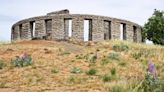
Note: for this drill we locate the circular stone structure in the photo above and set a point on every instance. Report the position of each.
(60, 25)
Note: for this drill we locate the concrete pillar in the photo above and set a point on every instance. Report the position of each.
(58, 28)
(129, 32)
(16, 33)
(48, 27)
(78, 28)
(66, 28)
(12, 33)
(26, 33)
(40, 29)
(115, 29)
(97, 29)
(139, 36)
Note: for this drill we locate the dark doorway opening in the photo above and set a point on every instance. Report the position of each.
(107, 30)
(134, 33)
(20, 31)
(48, 26)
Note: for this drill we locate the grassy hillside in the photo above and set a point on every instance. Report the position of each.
(109, 66)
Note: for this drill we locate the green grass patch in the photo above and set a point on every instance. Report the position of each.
(117, 88)
(91, 71)
(23, 61)
(54, 70)
(123, 63)
(113, 71)
(120, 47)
(114, 56)
(106, 78)
(105, 61)
(2, 64)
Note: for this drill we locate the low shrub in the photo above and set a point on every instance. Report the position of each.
(21, 61)
(137, 55)
(113, 71)
(150, 85)
(3, 84)
(2, 64)
(120, 47)
(117, 88)
(113, 56)
(54, 70)
(86, 56)
(123, 63)
(91, 71)
(104, 61)
(71, 79)
(79, 56)
(151, 82)
(76, 70)
(92, 58)
(76, 79)
(143, 53)
(110, 56)
(106, 78)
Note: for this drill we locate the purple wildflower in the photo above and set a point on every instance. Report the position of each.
(23, 56)
(151, 67)
(151, 70)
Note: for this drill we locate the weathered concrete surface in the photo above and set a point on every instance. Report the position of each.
(77, 28)
(100, 27)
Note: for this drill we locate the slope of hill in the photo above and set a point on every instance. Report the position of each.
(109, 66)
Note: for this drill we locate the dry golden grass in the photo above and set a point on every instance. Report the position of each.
(49, 55)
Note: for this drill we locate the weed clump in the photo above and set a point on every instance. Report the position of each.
(76, 70)
(3, 85)
(106, 78)
(120, 47)
(91, 71)
(113, 71)
(92, 58)
(117, 88)
(109, 77)
(109, 57)
(88, 57)
(80, 56)
(2, 64)
(151, 83)
(137, 55)
(54, 70)
(71, 79)
(76, 79)
(143, 53)
(22, 60)
(113, 56)
(123, 63)
(104, 61)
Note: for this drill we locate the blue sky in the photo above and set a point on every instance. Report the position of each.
(137, 11)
